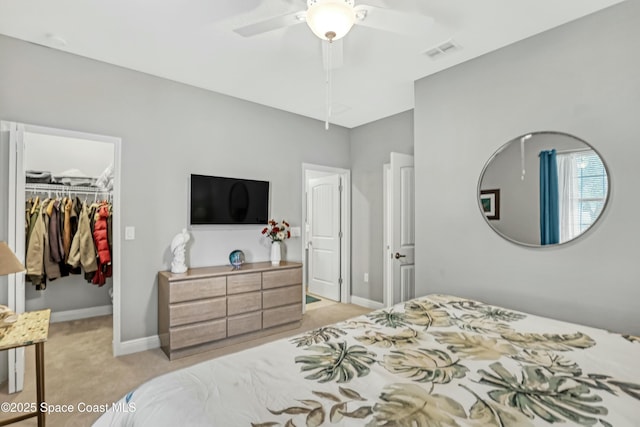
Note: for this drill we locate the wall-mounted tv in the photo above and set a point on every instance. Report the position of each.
(220, 200)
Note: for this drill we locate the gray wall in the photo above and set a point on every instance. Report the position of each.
(582, 78)
(169, 130)
(371, 145)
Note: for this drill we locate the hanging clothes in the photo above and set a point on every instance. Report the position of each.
(64, 236)
(55, 234)
(76, 208)
(56, 241)
(83, 251)
(30, 217)
(35, 250)
(100, 236)
(27, 220)
(51, 267)
(66, 229)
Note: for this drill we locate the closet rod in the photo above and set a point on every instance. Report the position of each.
(65, 189)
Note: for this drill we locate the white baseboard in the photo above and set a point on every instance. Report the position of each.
(81, 313)
(366, 302)
(137, 345)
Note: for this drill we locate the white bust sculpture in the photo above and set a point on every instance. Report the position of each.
(178, 244)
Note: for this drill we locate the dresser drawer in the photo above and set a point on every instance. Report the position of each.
(244, 323)
(243, 303)
(240, 283)
(187, 290)
(281, 315)
(198, 333)
(276, 279)
(212, 307)
(282, 296)
(197, 311)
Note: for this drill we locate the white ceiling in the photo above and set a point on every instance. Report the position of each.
(192, 41)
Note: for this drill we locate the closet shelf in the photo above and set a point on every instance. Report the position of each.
(64, 189)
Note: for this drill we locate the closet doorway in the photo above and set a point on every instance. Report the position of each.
(53, 169)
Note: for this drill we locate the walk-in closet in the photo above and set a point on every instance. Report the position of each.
(63, 226)
(68, 226)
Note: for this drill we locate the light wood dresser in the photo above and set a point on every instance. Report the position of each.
(212, 307)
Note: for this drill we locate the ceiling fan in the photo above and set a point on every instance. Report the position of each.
(331, 20)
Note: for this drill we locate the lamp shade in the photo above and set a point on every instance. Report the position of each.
(331, 19)
(9, 264)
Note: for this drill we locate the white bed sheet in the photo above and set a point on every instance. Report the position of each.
(437, 360)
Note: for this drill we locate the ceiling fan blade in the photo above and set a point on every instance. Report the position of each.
(272, 24)
(392, 20)
(332, 54)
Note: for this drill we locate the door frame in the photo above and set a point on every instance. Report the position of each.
(345, 219)
(16, 282)
(387, 260)
(117, 208)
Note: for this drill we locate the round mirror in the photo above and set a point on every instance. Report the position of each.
(543, 188)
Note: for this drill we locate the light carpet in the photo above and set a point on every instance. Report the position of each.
(80, 368)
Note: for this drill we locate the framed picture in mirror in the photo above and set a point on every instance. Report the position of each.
(490, 200)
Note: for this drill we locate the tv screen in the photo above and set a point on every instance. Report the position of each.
(219, 200)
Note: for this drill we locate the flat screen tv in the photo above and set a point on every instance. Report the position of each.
(219, 200)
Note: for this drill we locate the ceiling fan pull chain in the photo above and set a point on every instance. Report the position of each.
(522, 163)
(328, 86)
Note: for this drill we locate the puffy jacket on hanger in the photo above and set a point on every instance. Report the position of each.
(100, 235)
(82, 250)
(102, 244)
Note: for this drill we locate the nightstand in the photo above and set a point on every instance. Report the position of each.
(31, 328)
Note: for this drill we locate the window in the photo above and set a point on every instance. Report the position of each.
(582, 182)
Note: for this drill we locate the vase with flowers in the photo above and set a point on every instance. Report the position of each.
(276, 232)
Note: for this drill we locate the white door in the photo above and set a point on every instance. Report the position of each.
(323, 216)
(402, 222)
(16, 242)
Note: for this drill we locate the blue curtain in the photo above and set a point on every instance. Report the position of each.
(549, 201)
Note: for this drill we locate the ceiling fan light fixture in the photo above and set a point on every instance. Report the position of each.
(330, 19)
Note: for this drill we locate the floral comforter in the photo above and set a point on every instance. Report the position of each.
(432, 361)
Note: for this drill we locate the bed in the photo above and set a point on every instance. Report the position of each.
(437, 360)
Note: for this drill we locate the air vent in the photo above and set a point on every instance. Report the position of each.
(443, 49)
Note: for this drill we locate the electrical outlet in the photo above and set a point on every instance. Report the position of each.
(129, 233)
(366, 277)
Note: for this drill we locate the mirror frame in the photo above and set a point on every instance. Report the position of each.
(539, 246)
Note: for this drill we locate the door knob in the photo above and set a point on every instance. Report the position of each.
(398, 256)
